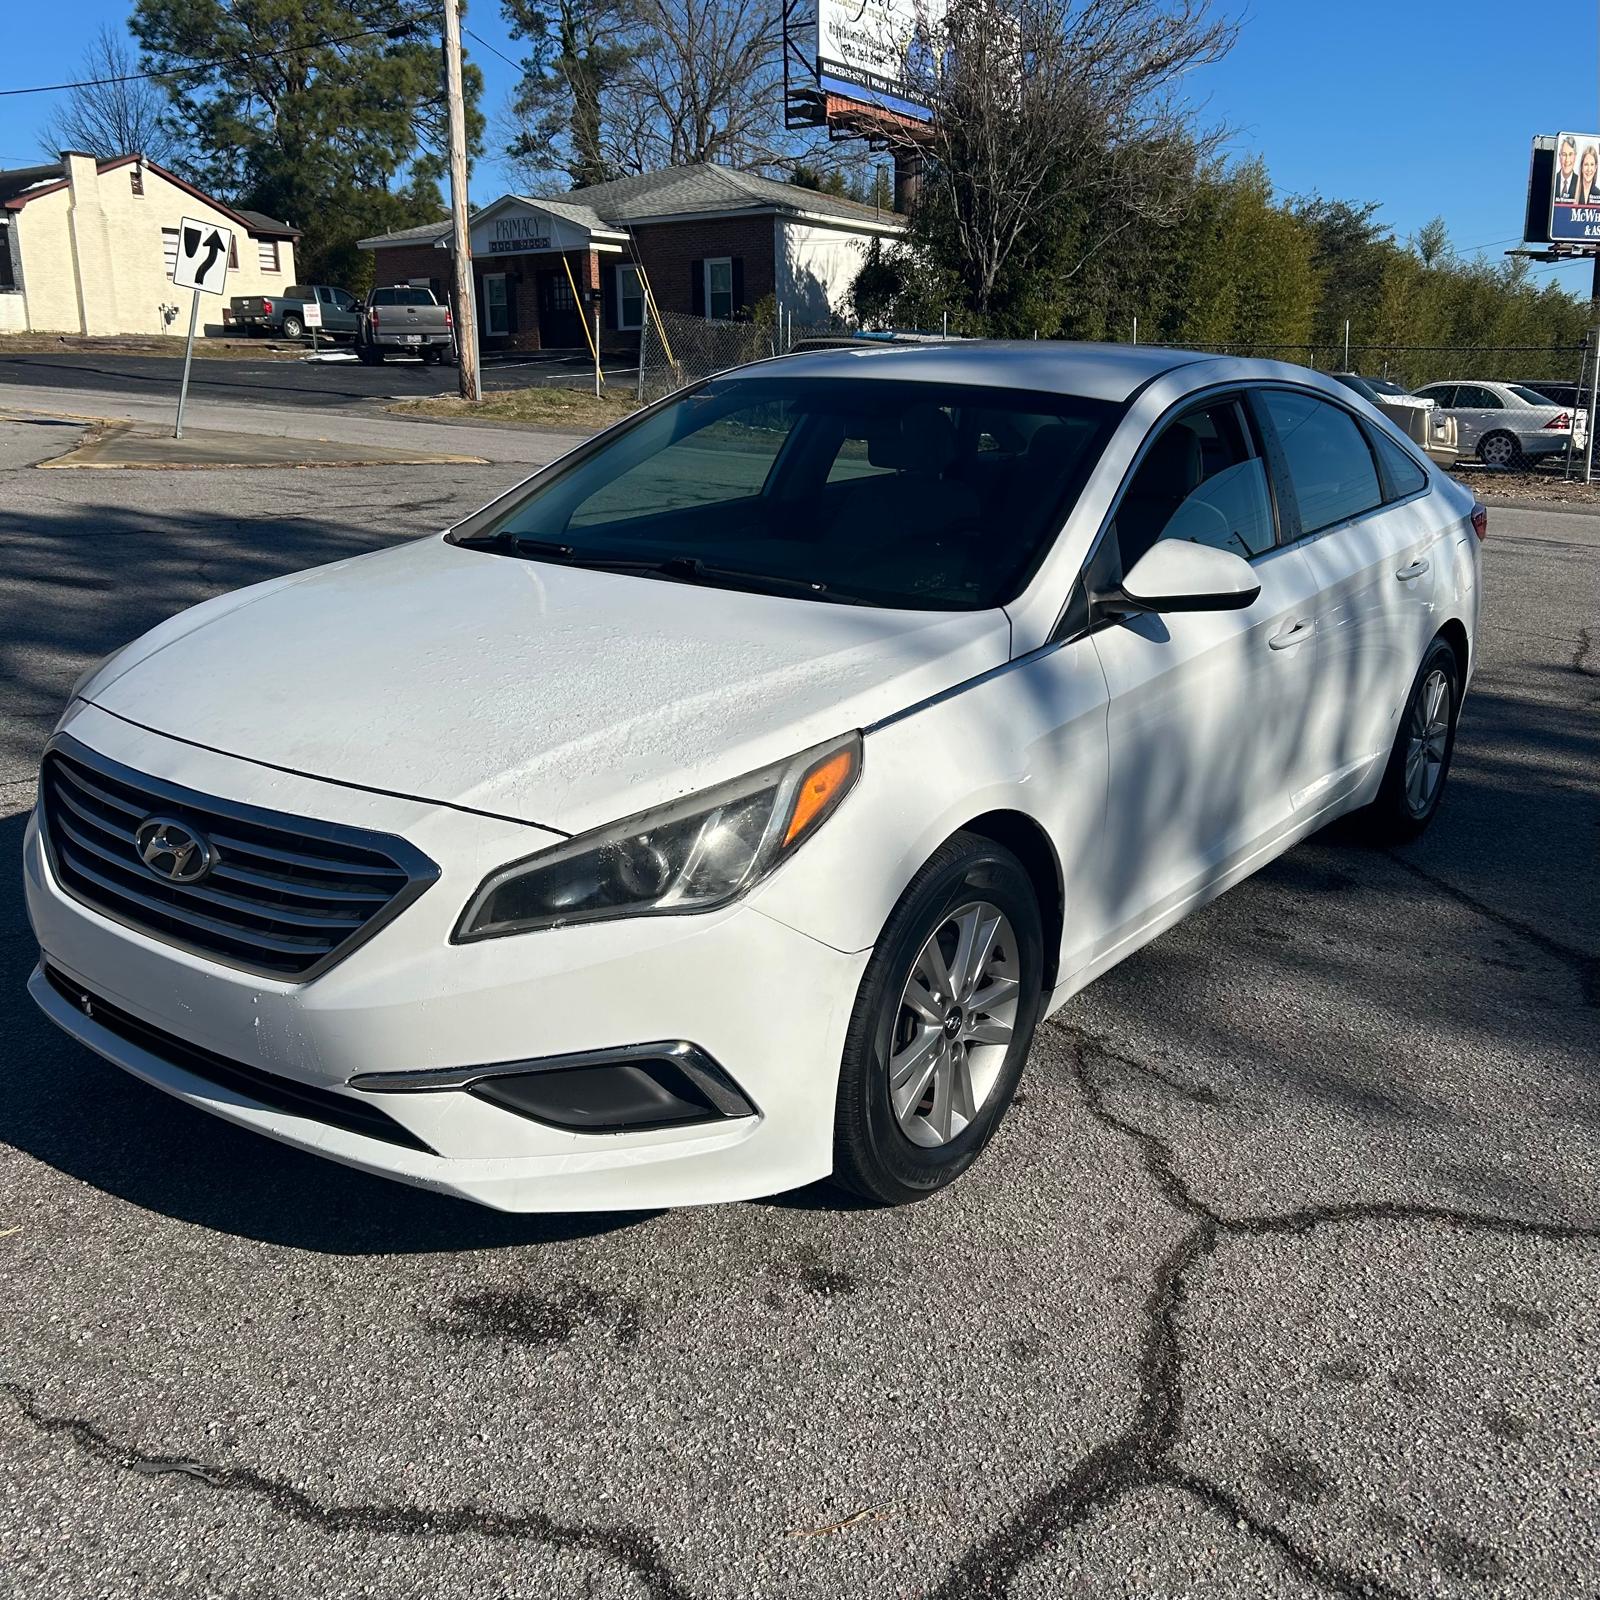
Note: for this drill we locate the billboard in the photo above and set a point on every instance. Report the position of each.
(879, 52)
(1575, 190)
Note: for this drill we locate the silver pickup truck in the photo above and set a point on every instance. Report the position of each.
(285, 313)
(405, 320)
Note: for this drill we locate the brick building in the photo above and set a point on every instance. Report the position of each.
(713, 243)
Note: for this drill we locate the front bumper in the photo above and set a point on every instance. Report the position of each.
(769, 1004)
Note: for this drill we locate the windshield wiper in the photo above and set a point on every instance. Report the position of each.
(683, 569)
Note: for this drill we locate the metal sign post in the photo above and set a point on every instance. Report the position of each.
(204, 250)
(188, 356)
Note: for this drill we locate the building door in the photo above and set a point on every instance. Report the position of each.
(558, 312)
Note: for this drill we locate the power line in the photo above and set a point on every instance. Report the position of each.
(492, 49)
(397, 31)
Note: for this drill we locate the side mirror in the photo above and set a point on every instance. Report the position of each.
(1174, 575)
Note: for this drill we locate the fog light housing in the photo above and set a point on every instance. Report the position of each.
(629, 1090)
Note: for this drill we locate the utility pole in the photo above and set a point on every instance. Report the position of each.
(466, 289)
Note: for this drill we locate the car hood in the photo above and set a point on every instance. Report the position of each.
(525, 689)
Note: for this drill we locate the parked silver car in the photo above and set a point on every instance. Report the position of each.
(1503, 424)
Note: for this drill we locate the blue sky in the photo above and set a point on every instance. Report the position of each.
(1425, 107)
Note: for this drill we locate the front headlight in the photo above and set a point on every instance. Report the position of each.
(693, 855)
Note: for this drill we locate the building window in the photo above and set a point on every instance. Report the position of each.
(169, 249)
(719, 289)
(136, 178)
(8, 271)
(496, 305)
(267, 254)
(233, 252)
(630, 298)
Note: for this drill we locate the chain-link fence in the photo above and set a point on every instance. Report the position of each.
(675, 350)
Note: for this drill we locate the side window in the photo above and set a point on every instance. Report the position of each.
(1443, 395)
(1402, 475)
(1331, 471)
(1202, 481)
(1472, 398)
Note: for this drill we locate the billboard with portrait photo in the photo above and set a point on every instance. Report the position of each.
(879, 52)
(1575, 190)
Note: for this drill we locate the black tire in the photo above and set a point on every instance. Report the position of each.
(1396, 816)
(293, 327)
(368, 355)
(431, 356)
(1501, 449)
(874, 1157)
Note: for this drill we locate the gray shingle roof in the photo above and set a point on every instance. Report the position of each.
(18, 179)
(685, 190)
(677, 192)
(260, 222)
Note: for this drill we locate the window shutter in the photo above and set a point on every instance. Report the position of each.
(738, 284)
(609, 286)
(697, 288)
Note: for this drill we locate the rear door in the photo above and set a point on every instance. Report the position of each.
(1206, 708)
(1365, 520)
(1478, 411)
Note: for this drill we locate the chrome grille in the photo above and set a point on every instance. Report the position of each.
(286, 897)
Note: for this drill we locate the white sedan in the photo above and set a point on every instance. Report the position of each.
(724, 807)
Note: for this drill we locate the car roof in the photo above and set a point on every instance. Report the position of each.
(1051, 366)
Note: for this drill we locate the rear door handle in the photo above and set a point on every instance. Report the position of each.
(1293, 634)
(1415, 570)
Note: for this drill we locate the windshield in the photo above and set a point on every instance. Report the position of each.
(865, 490)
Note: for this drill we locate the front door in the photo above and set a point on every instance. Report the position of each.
(558, 312)
(1207, 708)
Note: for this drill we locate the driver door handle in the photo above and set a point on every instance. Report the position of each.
(1293, 634)
(1415, 570)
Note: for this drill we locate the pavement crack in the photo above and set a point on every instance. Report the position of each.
(1584, 965)
(628, 1546)
(1140, 1456)
(1580, 656)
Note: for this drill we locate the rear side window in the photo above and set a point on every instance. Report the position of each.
(1331, 471)
(1443, 395)
(1470, 397)
(1402, 475)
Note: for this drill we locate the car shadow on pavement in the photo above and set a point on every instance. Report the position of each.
(62, 1105)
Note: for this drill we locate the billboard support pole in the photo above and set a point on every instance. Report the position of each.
(1594, 390)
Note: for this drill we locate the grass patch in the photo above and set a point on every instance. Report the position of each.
(566, 409)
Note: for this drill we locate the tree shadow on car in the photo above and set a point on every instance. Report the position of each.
(64, 1106)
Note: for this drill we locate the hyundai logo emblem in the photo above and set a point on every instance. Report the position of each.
(173, 851)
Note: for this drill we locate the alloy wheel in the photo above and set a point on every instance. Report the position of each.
(1430, 736)
(954, 1024)
(1499, 451)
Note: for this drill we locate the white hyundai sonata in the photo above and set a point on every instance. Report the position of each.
(724, 807)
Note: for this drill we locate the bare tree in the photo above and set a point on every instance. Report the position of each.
(1058, 125)
(111, 117)
(706, 83)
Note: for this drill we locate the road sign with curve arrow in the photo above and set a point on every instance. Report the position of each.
(204, 250)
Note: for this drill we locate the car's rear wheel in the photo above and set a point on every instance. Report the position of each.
(293, 327)
(1419, 761)
(368, 355)
(1500, 450)
(942, 1025)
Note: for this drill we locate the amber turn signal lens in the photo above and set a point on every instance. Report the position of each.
(819, 790)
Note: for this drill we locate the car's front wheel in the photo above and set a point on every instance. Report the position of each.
(942, 1024)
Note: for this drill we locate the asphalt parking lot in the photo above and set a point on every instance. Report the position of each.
(1282, 1279)
(325, 385)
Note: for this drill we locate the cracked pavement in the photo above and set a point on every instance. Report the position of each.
(1282, 1279)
